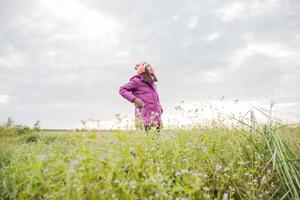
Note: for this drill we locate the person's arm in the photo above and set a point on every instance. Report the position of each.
(126, 90)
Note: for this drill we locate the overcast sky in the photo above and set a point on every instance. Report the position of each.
(64, 60)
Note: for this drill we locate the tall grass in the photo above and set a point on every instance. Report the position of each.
(282, 158)
(250, 160)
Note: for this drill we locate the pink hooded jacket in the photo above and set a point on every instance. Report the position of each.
(150, 114)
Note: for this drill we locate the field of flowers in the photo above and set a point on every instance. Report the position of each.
(205, 162)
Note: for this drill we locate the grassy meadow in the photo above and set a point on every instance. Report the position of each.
(201, 162)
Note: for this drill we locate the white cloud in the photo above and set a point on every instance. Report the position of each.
(211, 76)
(193, 22)
(83, 22)
(12, 58)
(232, 11)
(213, 36)
(4, 98)
(272, 50)
(275, 50)
(123, 54)
(258, 7)
(238, 10)
(175, 17)
(77, 53)
(186, 43)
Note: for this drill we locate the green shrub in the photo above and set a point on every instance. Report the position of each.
(5, 158)
(11, 129)
(30, 137)
(48, 139)
(21, 130)
(6, 131)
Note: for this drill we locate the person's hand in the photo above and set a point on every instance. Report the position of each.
(139, 103)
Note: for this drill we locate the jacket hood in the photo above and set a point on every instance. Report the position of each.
(136, 76)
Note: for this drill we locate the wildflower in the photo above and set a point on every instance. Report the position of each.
(46, 170)
(205, 188)
(273, 185)
(125, 167)
(241, 163)
(196, 174)
(248, 174)
(42, 157)
(164, 194)
(132, 184)
(74, 163)
(226, 169)
(177, 173)
(226, 176)
(117, 181)
(225, 196)
(232, 189)
(218, 168)
(203, 148)
(103, 159)
(72, 171)
(132, 151)
(254, 182)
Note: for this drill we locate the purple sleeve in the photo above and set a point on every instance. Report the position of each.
(126, 90)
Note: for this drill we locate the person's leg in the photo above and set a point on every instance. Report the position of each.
(147, 128)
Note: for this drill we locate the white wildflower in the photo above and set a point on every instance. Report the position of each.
(42, 157)
(205, 188)
(132, 184)
(263, 180)
(203, 148)
(241, 163)
(132, 151)
(177, 173)
(218, 168)
(226, 169)
(74, 163)
(225, 196)
(247, 174)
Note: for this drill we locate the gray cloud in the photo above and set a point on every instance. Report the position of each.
(61, 61)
